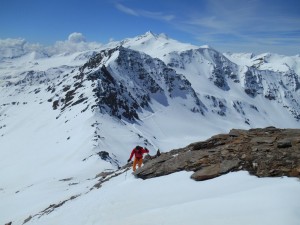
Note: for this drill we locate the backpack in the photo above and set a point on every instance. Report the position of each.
(138, 150)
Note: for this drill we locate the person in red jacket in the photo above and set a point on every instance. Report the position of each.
(138, 152)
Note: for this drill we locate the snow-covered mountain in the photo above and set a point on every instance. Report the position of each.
(65, 117)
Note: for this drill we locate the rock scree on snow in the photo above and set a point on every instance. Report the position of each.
(264, 152)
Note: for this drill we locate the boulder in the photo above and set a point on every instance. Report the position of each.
(284, 143)
(215, 170)
(207, 173)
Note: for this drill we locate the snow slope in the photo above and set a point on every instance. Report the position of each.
(234, 198)
(267, 61)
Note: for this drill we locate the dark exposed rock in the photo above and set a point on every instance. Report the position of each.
(104, 174)
(50, 208)
(215, 170)
(253, 83)
(55, 104)
(285, 143)
(266, 152)
(27, 220)
(106, 157)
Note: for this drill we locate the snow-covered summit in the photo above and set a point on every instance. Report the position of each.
(155, 45)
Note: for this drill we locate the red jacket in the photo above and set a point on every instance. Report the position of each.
(138, 153)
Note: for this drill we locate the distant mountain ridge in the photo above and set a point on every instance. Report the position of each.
(141, 77)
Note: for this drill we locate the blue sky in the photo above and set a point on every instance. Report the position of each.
(227, 25)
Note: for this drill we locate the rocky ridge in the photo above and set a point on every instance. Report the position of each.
(264, 152)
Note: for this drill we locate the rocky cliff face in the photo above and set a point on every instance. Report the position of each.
(273, 85)
(125, 82)
(264, 152)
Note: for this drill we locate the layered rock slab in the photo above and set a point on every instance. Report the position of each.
(264, 152)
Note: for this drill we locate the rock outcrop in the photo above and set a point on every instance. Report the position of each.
(267, 152)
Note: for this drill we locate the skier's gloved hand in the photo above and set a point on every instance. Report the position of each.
(128, 160)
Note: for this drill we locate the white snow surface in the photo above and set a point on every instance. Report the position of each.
(235, 198)
(47, 156)
(274, 62)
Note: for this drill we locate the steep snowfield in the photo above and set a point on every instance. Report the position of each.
(48, 156)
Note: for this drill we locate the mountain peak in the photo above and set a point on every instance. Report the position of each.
(150, 33)
(157, 36)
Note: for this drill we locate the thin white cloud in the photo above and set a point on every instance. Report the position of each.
(243, 16)
(211, 22)
(242, 23)
(144, 13)
(126, 10)
(157, 15)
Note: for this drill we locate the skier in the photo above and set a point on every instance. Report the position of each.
(138, 152)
